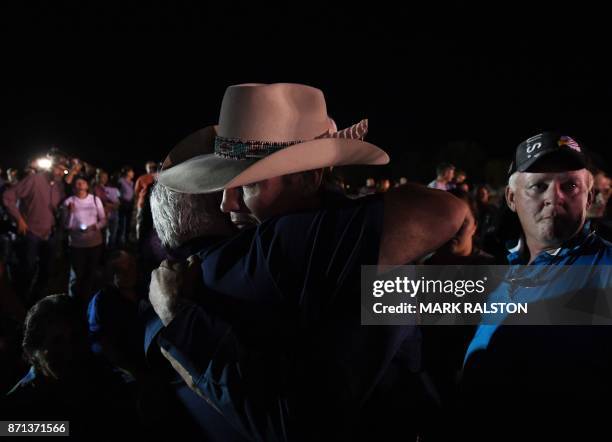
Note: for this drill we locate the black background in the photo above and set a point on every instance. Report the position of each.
(452, 82)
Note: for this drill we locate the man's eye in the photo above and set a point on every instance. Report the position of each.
(568, 187)
(539, 187)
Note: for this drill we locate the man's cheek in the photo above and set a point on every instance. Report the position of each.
(251, 205)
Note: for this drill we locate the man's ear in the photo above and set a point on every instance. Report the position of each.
(590, 198)
(510, 196)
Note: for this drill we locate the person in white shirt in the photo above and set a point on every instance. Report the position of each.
(445, 174)
(84, 222)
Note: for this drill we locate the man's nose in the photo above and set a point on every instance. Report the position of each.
(232, 200)
(554, 194)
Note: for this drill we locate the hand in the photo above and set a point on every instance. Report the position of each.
(172, 283)
(164, 289)
(92, 227)
(22, 226)
(76, 168)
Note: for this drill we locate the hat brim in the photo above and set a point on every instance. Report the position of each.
(198, 143)
(211, 173)
(578, 159)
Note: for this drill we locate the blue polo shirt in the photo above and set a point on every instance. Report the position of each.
(549, 377)
(586, 249)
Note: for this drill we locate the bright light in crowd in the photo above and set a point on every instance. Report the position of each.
(44, 163)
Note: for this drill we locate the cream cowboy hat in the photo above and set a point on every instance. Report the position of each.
(264, 131)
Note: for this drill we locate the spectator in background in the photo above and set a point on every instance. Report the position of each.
(3, 185)
(460, 181)
(75, 169)
(143, 182)
(66, 381)
(7, 237)
(9, 302)
(445, 173)
(460, 176)
(31, 167)
(32, 203)
(168, 408)
(599, 212)
(148, 243)
(601, 191)
(487, 216)
(383, 185)
(12, 176)
(109, 195)
(113, 314)
(369, 188)
(126, 204)
(85, 221)
(151, 252)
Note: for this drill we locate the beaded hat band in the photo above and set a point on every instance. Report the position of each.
(237, 149)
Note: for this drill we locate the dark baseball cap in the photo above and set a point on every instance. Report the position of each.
(546, 145)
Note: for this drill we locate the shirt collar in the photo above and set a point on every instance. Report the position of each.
(519, 254)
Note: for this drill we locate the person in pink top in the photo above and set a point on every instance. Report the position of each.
(84, 222)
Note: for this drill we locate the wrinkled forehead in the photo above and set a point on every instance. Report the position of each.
(574, 175)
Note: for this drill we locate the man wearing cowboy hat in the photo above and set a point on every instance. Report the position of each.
(294, 279)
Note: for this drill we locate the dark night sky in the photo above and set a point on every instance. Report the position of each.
(123, 86)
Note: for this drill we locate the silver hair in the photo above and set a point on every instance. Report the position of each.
(179, 217)
(512, 181)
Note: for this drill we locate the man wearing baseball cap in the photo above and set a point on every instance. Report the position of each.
(548, 376)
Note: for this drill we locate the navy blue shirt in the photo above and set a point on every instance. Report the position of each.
(276, 337)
